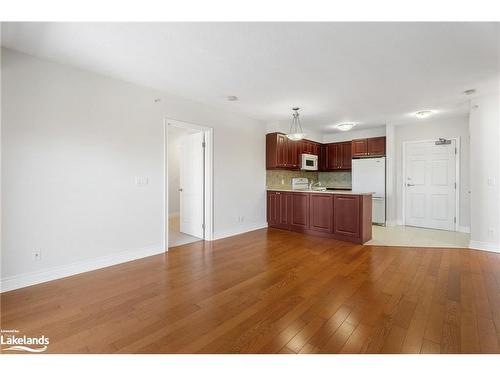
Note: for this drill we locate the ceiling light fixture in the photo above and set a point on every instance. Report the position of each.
(345, 126)
(423, 114)
(296, 133)
(232, 98)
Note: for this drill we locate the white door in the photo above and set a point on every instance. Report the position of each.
(191, 184)
(430, 185)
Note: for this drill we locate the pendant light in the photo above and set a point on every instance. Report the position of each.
(296, 133)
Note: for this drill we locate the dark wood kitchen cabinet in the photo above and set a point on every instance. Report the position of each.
(368, 147)
(278, 209)
(346, 155)
(322, 158)
(320, 212)
(299, 211)
(376, 146)
(359, 147)
(276, 151)
(293, 150)
(352, 217)
(346, 217)
(337, 156)
(283, 153)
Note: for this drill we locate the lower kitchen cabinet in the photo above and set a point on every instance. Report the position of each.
(346, 217)
(320, 212)
(278, 209)
(299, 213)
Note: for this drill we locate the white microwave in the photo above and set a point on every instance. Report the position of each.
(309, 162)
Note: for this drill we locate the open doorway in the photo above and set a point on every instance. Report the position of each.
(188, 183)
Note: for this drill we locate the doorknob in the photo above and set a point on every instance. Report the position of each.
(410, 184)
(180, 189)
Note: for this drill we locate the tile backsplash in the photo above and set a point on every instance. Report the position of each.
(278, 179)
(335, 179)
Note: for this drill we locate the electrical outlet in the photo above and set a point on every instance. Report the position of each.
(241, 219)
(491, 232)
(37, 254)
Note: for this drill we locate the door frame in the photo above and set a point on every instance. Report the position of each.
(457, 177)
(208, 213)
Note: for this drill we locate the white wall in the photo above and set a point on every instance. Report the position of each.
(434, 129)
(484, 161)
(377, 131)
(73, 143)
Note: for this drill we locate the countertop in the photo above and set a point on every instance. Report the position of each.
(344, 192)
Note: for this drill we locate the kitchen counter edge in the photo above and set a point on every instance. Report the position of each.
(342, 192)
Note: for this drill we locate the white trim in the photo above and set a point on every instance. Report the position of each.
(208, 182)
(230, 233)
(487, 246)
(463, 229)
(457, 179)
(32, 278)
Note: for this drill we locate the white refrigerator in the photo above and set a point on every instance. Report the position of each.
(368, 175)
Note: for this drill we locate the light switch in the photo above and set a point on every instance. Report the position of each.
(491, 181)
(141, 180)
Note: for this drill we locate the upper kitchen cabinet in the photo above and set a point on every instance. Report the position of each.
(308, 147)
(337, 156)
(283, 153)
(376, 146)
(368, 147)
(276, 151)
(346, 155)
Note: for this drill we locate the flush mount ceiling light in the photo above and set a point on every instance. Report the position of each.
(232, 98)
(423, 114)
(345, 126)
(296, 133)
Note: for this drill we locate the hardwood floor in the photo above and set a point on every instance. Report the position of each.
(271, 291)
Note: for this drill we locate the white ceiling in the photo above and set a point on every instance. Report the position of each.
(371, 73)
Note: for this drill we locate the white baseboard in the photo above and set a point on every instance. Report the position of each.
(24, 280)
(462, 229)
(487, 246)
(218, 236)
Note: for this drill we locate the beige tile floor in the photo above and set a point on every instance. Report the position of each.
(417, 237)
(175, 236)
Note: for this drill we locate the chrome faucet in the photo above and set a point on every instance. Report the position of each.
(311, 185)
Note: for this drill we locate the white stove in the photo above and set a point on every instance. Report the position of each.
(300, 183)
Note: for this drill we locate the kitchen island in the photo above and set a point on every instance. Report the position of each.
(342, 215)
